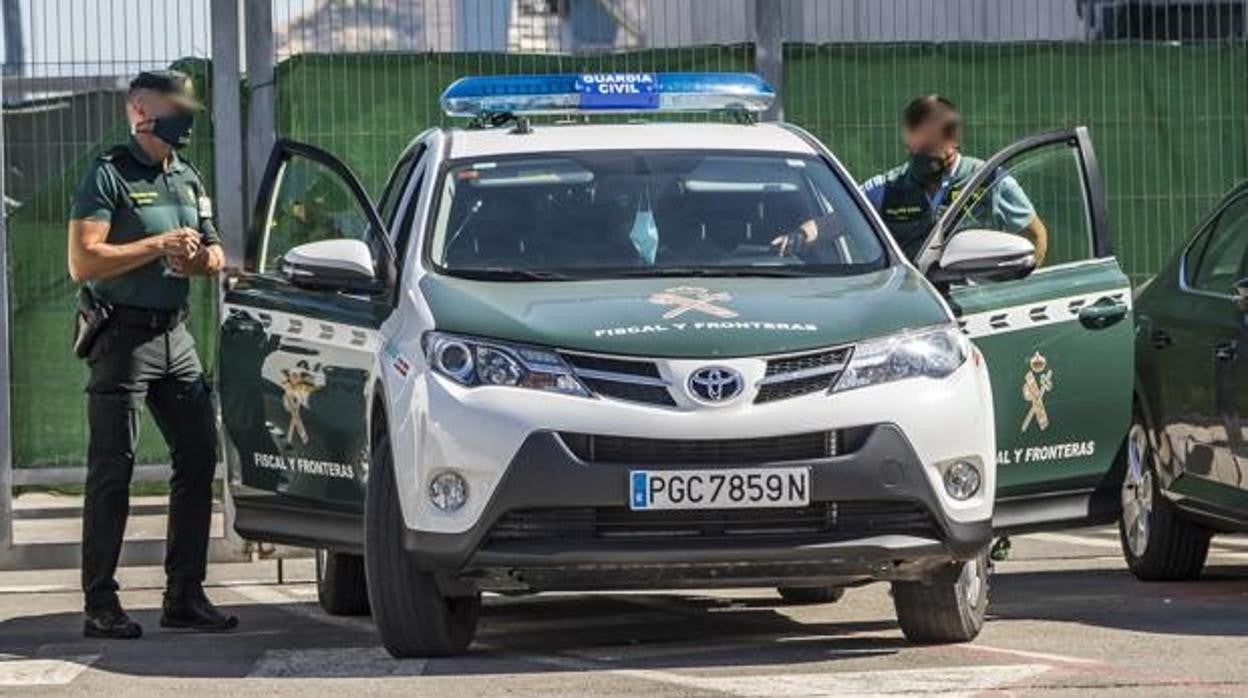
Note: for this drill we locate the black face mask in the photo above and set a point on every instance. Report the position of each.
(927, 169)
(174, 129)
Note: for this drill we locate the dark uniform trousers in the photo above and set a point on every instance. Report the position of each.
(146, 356)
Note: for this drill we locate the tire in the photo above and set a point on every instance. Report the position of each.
(340, 586)
(949, 607)
(1157, 542)
(810, 595)
(412, 616)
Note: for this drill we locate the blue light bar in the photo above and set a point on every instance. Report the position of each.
(607, 92)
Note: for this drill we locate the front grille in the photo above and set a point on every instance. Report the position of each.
(802, 362)
(633, 392)
(639, 380)
(830, 519)
(792, 388)
(801, 374)
(591, 362)
(596, 448)
(621, 379)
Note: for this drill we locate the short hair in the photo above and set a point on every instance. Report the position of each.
(922, 110)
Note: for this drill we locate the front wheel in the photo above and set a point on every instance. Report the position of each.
(949, 607)
(1157, 542)
(411, 613)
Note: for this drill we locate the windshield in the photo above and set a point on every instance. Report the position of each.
(658, 213)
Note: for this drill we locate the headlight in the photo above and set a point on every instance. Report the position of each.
(934, 353)
(475, 362)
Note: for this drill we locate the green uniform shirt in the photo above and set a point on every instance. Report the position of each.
(910, 211)
(140, 198)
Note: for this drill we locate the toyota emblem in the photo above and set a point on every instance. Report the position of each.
(715, 384)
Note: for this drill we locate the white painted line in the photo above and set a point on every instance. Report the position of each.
(17, 671)
(1027, 654)
(950, 682)
(333, 663)
(1072, 539)
(272, 595)
(37, 588)
(946, 682)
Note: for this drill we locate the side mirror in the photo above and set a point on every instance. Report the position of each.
(1241, 294)
(984, 255)
(340, 264)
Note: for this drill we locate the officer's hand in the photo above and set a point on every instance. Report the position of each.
(206, 260)
(183, 266)
(179, 242)
(788, 243)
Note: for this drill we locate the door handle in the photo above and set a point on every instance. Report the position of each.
(1226, 351)
(1160, 339)
(1102, 314)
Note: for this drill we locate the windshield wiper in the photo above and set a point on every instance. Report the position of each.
(505, 274)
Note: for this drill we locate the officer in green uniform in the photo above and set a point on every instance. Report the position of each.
(913, 196)
(141, 223)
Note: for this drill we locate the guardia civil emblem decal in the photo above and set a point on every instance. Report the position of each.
(298, 384)
(684, 299)
(1037, 382)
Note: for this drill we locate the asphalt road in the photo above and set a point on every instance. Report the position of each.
(1066, 619)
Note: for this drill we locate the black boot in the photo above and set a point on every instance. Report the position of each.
(110, 622)
(189, 607)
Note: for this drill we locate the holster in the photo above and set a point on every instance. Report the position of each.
(90, 320)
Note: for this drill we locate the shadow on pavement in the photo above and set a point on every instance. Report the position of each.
(536, 634)
(589, 632)
(1111, 598)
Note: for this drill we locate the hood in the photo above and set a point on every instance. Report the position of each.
(685, 318)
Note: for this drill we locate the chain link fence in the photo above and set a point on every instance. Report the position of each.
(1162, 84)
(64, 104)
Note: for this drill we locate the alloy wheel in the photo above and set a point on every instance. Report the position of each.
(1137, 492)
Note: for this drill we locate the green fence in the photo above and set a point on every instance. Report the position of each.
(48, 406)
(1170, 122)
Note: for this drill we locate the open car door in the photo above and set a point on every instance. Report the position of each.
(1058, 342)
(298, 342)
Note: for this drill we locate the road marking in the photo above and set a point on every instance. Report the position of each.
(946, 682)
(333, 663)
(1073, 539)
(1027, 654)
(18, 671)
(37, 588)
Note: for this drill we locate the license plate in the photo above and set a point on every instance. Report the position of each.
(743, 488)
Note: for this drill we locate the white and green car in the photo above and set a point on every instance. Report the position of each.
(576, 356)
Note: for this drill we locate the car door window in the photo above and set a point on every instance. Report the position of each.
(1039, 193)
(310, 202)
(393, 192)
(1221, 257)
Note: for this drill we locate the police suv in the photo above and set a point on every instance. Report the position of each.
(637, 354)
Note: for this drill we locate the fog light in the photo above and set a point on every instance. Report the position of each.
(448, 491)
(962, 480)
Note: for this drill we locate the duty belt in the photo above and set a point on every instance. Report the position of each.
(149, 318)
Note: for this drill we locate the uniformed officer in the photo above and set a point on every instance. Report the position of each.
(141, 223)
(913, 196)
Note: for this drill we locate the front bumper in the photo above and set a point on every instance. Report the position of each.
(542, 527)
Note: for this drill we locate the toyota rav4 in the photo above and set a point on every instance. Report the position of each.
(584, 356)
